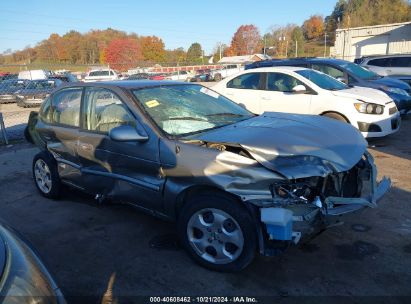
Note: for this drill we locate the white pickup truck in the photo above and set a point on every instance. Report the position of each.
(226, 71)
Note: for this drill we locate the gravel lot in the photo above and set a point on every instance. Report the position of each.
(83, 243)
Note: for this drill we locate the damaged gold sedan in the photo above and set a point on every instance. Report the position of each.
(234, 182)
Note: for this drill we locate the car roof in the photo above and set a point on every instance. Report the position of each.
(297, 61)
(280, 68)
(385, 56)
(128, 84)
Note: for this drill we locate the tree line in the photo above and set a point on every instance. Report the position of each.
(122, 51)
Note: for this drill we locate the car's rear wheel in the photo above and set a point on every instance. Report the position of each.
(218, 232)
(335, 116)
(45, 175)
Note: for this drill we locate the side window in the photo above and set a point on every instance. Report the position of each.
(44, 112)
(66, 107)
(380, 62)
(111, 73)
(401, 62)
(249, 81)
(105, 111)
(329, 70)
(282, 82)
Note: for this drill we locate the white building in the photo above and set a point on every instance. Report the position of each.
(351, 43)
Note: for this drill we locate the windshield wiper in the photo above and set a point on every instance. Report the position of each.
(187, 118)
(225, 114)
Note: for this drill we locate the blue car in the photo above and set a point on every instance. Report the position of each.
(351, 74)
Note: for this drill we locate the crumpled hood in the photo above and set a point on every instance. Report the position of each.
(293, 145)
(364, 94)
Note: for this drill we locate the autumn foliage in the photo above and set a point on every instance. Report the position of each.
(313, 27)
(152, 49)
(246, 40)
(123, 53)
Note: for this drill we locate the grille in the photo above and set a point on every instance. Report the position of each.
(394, 124)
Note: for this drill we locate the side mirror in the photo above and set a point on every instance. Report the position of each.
(127, 133)
(299, 89)
(342, 79)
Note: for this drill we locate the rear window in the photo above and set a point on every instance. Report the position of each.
(381, 62)
(99, 73)
(401, 62)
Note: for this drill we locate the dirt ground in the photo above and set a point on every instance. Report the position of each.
(83, 243)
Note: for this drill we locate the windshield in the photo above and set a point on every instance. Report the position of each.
(181, 110)
(40, 85)
(12, 84)
(359, 71)
(323, 80)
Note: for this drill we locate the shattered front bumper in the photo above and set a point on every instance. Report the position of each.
(342, 205)
(309, 219)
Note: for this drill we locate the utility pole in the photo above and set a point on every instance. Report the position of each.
(325, 44)
(286, 49)
(296, 48)
(221, 45)
(265, 42)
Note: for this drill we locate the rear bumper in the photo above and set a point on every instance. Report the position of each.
(7, 98)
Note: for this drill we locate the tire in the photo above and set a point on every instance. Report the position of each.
(45, 175)
(226, 238)
(335, 116)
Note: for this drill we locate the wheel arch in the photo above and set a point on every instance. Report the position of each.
(338, 113)
(184, 197)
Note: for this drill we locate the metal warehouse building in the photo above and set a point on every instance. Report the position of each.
(351, 43)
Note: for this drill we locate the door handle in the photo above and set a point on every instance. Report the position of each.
(230, 94)
(265, 98)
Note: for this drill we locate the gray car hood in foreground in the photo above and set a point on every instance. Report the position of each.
(295, 146)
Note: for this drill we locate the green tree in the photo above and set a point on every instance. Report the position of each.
(297, 42)
(194, 53)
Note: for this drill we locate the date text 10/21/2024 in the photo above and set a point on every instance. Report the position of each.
(236, 299)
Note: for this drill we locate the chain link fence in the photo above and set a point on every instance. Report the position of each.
(23, 87)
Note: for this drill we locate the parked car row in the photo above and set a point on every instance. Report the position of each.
(27, 93)
(189, 76)
(351, 74)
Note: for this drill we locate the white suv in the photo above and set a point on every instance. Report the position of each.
(305, 91)
(397, 66)
(101, 75)
(226, 71)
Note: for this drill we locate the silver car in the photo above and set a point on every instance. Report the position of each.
(234, 182)
(396, 66)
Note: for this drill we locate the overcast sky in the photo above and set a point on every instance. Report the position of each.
(178, 23)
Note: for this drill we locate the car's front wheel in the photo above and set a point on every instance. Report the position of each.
(218, 232)
(45, 175)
